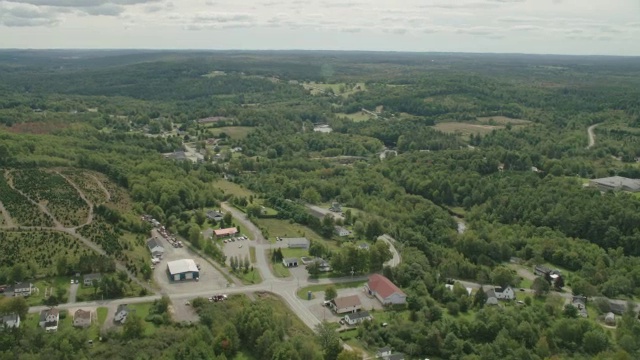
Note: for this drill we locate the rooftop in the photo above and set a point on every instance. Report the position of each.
(152, 243)
(225, 232)
(347, 301)
(82, 314)
(619, 182)
(93, 276)
(358, 315)
(182, 266)
(383, 286)
(290, 260)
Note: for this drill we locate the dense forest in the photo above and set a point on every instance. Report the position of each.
(516, 178)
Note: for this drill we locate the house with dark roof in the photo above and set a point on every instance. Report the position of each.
(121, 314)
(617, 308)
(215, 215)
(346, 304)
(155, 247)
(383, 352)
(357, 318)
(385, 291)
(297, 243)
(22, 289)
(88, 279)
(49, 319)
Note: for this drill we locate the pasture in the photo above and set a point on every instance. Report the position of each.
(356, 117)
(342, 89)
(233, 132)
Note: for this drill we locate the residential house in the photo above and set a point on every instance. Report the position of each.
(335, 207)
(176, 155)
(155, 247)
(346, 304)
(610, 319)
(505, 293)
(364, 246)
(121, 314)
(491, 298)
(617, 308)
(383, 352)
(23, 289)
(89, 279)
(323, 265)
(357, 318)
(215, 215)
(82, 318)
(384, 290)
(10, 321)
(297, 243)
(49, 319)
(580, 302)
(290, 262)
(541, 270)
(342, 232)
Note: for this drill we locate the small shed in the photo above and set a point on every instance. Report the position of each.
(290, 262)
(610, 319)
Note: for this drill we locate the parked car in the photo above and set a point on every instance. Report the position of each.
(341, 321)
(72, 281)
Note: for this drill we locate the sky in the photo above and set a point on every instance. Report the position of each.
(576, 27)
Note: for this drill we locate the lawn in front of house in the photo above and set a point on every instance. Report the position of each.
(280, 270)
(302, 292)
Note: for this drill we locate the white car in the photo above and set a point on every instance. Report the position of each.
(239, 246)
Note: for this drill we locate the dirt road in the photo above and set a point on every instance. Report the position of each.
(592, 136)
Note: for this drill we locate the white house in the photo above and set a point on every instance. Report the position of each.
(356, 318)
(385, 291)
(383, 352)
(340, 231)
(23, 289)
(290, 262)
(506, 293)
(49, 319)
(155, 247)
(10, 321)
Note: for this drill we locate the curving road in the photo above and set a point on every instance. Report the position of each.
(592, 136)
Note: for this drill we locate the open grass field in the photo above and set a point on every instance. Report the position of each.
(234, 189)
(293, 323)
(48, 286)
(280, 270)
(502, 120)
(356, 117)
(283, 228)
(296, 253)
(234, 132)
(142, 310)
(41, 249)
(337, 88)
(248, 278)
(302, 292)
(466, 129)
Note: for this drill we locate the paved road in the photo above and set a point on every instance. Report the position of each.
(592, 136)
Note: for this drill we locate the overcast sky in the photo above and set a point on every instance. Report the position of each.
(606, 27)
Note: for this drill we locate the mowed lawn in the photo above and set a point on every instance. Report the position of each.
(234, 189)
(356, 117)
(285, 229)
(234, 132)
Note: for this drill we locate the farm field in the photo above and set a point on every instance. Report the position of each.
(43, 248)
(466, 129)
(502, 120)
(357, 117)
(54, 192)
(234, 132)
(88, 184)
(22, 211)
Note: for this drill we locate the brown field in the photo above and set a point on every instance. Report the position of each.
(502, 120)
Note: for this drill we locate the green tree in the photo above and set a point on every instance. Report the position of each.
(502, 276)
(227, 218)
(133, 328)
(595, 341)
(480, 298)
(570, 311)
(195, 237)
(349, 355)
(330, 293)
(311, 195)
(540, 287)
(329, 340)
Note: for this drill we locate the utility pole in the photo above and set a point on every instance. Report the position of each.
(352, 272)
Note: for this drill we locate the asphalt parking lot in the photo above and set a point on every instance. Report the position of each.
(325, 313)
(210, 278)
(239, 248)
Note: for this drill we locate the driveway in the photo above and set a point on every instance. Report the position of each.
(73, 291)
